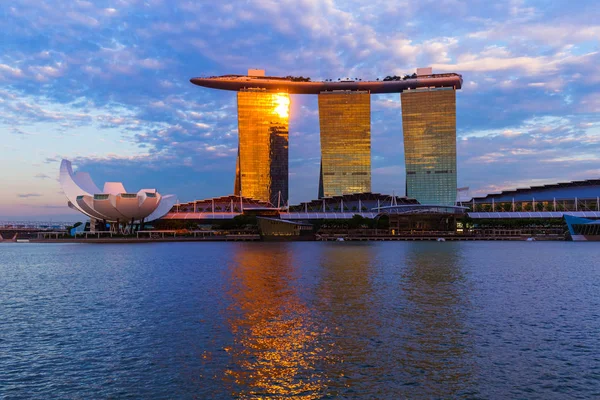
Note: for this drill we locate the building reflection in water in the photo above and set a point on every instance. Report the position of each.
(347, 320)
(435, 350)
(347, 303)
(275, 348)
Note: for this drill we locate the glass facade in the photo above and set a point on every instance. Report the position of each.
(262, 165)
(345, 123)
(429, 124)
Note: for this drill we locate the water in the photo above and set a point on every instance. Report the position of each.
(308, 320)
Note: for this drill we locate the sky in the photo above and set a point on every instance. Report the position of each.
(105, 84)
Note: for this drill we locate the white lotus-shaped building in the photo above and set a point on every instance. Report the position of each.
(113, 203)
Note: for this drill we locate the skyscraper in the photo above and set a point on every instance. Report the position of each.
(345, 122)
(429, 124)
(262, 165)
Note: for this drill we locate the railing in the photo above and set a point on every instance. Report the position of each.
(448, 75)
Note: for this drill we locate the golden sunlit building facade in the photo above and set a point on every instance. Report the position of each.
(345, 123)
(262, 165)
(429, 125)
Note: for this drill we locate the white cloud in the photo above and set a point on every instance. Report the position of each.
(6, 70)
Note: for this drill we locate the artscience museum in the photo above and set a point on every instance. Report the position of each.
(113, 204)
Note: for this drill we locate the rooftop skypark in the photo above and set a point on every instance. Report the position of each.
(302, 85)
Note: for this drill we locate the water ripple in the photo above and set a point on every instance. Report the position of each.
(301, 320)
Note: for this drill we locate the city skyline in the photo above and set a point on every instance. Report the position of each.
(100, 86)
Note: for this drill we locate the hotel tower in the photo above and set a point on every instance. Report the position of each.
(429, 124)
(262, 164)
(345, 123)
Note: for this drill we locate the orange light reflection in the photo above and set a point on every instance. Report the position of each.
(276, 343)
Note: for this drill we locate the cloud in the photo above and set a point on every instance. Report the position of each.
(590, 103)
(8, 71)
(60, 207)
(528, 65)
(119, 72)
(28, 195)
(17, 131)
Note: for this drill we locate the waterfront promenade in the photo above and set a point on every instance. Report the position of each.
(173, 237)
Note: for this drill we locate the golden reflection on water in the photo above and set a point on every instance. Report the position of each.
(275, 347)
(348, 319)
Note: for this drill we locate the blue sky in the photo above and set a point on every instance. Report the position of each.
(106, 85)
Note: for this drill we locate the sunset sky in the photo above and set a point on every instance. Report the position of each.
(106, 85)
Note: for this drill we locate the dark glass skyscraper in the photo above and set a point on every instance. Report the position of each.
(345, 122)
(262, 165)
(429, 124)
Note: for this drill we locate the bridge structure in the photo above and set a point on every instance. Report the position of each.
(11, 231)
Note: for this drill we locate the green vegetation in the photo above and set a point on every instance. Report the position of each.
(398, 78)
(238, 222)
(467, 222)
(297, 78)
(69, 227)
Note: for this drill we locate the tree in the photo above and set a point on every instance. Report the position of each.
(243, 221)
(383, 222)
(356, 221)
(467, 222)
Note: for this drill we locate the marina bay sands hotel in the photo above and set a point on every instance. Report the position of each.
(428, 122)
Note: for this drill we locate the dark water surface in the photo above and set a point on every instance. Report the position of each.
(310, 320)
